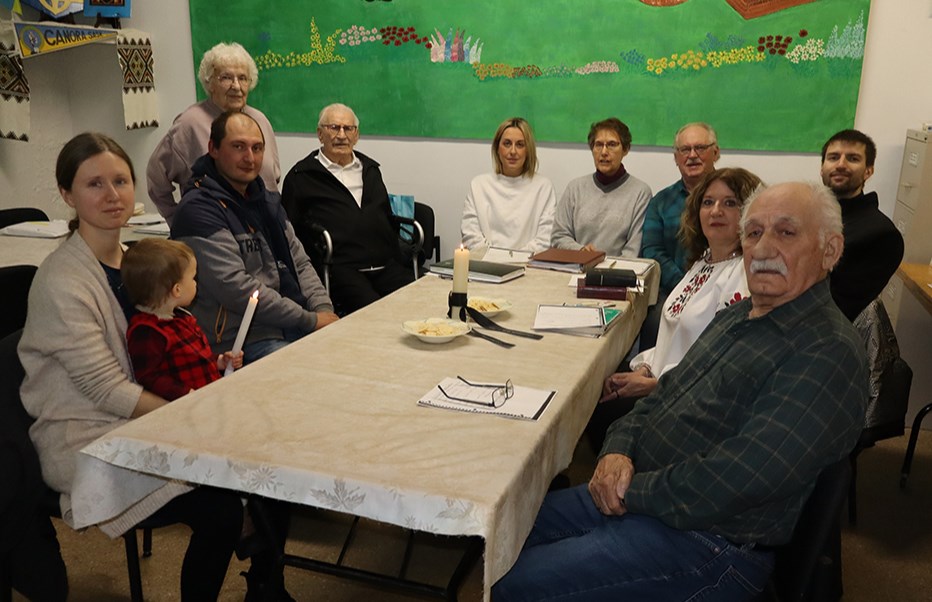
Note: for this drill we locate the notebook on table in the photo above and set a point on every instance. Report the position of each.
(482, 271)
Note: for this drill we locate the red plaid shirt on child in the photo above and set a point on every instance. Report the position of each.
(170, 357)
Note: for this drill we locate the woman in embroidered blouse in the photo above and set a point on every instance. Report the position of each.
(79, 380)
(513, 207)
(709, 231)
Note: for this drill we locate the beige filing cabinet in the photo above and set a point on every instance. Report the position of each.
(913, 212)
(913, 217)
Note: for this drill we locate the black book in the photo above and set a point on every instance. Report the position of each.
(482, 271)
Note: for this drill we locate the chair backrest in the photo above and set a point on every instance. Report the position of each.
(804, 565)
(14, 434)
(424, 215)
(18, 215)
(15, 281)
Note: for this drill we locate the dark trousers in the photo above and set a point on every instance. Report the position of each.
(351, 289)
(215, 517)
(37, 570)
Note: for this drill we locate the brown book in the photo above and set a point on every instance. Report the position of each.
(566, 260)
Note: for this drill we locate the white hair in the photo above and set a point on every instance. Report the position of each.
(713, 138)
(828, 209)
(226, 55)
(333, 107)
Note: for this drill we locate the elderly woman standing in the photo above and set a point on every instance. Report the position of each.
(710, 233)
(227, 73)
(79, 382)
(513, 207)
(604, 211)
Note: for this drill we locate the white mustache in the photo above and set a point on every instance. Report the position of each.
(768, 265)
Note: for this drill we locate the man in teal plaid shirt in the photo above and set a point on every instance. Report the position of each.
(710, 470)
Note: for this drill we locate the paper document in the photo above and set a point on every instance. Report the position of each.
(497, 255)
(51, 229)
(160, 228)
(525, 404)
(581, 320)
(612, 263)
(145, 218)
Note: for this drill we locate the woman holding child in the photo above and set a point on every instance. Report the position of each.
(79, 380)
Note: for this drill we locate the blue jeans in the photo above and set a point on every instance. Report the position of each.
(259, 349)
(575, 552)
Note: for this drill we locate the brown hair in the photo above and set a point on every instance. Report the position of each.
(78, 150)
(151, 267)
(530, 162)
(740, 181)
(612, 124)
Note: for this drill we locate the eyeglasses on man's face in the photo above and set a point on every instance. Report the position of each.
(227, 79)
(697, 148)
(335, 129)
(480, 395)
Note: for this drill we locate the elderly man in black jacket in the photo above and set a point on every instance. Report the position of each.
(343, 191)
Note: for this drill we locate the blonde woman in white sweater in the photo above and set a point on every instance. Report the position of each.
(513, 207)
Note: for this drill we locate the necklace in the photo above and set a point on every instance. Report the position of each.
(707, 256)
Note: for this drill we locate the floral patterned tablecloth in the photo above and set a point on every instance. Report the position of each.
(332, 421)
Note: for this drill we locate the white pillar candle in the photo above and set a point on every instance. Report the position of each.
(460, 269)
(243, 329)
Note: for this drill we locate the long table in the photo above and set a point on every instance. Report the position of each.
(24, 250)
(332, 421)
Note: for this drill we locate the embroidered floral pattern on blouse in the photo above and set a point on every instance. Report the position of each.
(734, 299)
(693, 287)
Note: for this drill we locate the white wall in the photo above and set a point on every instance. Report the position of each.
(78, 90)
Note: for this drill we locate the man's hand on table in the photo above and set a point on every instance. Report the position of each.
(324, 318)
(610, 482)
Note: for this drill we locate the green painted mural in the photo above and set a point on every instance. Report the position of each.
(455, 68)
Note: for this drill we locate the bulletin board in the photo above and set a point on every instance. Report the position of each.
(782, 81)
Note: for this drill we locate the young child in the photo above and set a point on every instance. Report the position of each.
(170, 353)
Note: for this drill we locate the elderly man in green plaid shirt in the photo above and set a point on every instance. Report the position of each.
(706, 473)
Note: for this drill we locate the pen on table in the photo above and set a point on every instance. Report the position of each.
(612, 264)
(596, 304)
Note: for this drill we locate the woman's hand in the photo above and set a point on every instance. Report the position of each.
(628, 384)
(589, 248)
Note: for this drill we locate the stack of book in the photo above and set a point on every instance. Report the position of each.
(606, 284)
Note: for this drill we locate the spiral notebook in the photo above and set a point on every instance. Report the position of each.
(526, 404)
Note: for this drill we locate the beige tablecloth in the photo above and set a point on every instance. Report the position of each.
(332, 421)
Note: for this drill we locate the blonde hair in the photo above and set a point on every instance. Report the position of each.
(530, 161)
(151, 267)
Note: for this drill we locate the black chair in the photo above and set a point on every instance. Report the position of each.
(911, 447)
(18, 215)
(890, 380)
(424, 215)
(808, 568)
(15, 281)
(320, 247)
(42, 501)
(25, 526)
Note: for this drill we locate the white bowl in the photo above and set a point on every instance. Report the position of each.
(436, 330)
(489, 306)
